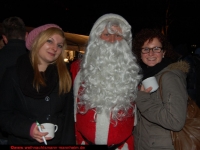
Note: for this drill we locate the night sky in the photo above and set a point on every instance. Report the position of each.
(78, 16)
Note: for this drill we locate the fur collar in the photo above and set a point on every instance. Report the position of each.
(179, 65)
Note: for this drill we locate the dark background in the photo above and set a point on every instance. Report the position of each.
(78, 16)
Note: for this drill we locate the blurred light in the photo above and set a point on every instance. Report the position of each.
(66, 60)
(82, 52)
(193, 46)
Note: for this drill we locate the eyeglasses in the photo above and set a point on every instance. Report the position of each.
(154, 49)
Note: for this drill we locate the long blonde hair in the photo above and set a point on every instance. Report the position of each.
(63, 73)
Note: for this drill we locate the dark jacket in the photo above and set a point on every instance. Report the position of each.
(193, 76)
(8, 57)
(10, 53)
(18, 112)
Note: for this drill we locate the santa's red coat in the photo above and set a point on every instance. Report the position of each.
(119, 133)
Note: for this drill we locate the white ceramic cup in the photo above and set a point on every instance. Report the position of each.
(50, 128)
(150, 82)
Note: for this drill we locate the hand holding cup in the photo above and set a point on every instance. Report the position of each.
(50, 128)
(150, 82)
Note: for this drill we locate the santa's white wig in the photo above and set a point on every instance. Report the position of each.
(109, 72)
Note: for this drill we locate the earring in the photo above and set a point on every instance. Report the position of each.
(163, 56)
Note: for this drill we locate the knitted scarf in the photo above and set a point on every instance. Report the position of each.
(151, 71)
(26, 75)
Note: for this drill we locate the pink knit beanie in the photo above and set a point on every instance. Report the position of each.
(35, 32)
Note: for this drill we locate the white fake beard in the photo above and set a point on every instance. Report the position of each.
(109, 78)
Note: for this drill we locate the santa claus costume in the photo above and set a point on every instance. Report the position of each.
(105, 90)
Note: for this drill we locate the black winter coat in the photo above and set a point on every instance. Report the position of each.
(18, 112)
(10, 53)
(8, 57)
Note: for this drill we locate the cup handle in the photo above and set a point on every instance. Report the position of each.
(56, 128)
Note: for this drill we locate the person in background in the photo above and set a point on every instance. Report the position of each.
(105, 86)
(1, 42)
(38, 88)
(185, 54)
(158, 116)
(197, 63)
(13, 35)
(193, 76)
(197, 51)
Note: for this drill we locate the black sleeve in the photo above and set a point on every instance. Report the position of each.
(68, 136)
(11, 120)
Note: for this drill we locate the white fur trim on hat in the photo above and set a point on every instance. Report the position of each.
(109, 17)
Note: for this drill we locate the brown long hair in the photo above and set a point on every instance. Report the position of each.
(65, 81)
(149, 34)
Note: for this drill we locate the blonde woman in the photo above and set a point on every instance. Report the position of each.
(38, 89)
